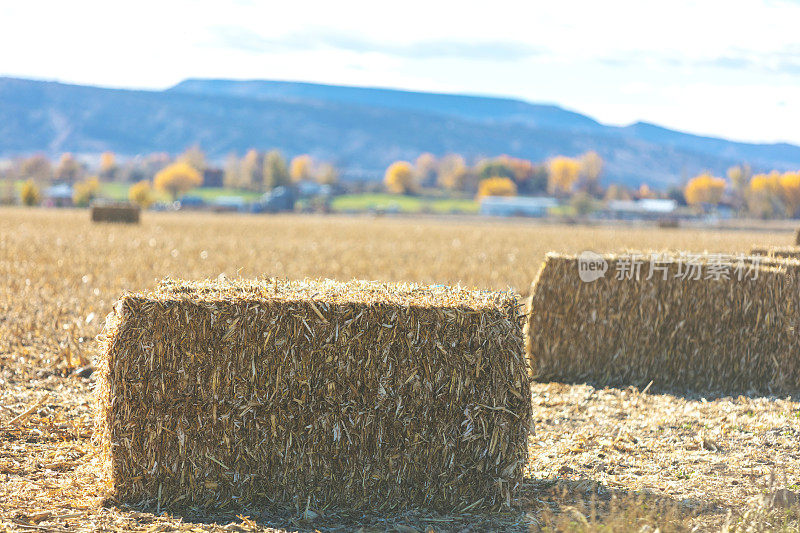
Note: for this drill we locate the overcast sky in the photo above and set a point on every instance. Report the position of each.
(719, 67)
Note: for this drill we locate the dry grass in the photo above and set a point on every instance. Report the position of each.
(612, 459)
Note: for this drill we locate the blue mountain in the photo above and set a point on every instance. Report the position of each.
(358, 128)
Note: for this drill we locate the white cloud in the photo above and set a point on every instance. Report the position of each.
(722, 67)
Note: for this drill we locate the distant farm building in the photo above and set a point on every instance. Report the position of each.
(59, 195)
(278, 199)
(517, 206)
(213, 177)
(229, 204)
(653, 209)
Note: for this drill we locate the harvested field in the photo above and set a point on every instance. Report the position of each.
(627, 458)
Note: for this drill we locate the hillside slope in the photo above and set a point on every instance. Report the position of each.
(357, 128)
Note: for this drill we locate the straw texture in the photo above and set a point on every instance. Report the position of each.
(360, 395)
(727, 335)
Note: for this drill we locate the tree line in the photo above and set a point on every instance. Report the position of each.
(257, 171)
(764, 195)
(497, 176)
(577, 179)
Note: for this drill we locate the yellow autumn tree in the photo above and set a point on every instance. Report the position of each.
(275, 171)
(400, 178)
(496, 186)
(177, 179)
(141, 194)
(85, 191)
(30, 194)
(790, 192)
(770, 183)
(763, 194)
(300, 169)
(704, 189)
(563, 173)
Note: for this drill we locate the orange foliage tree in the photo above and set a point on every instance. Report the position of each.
(645, 192)
(108, 165)
(300, 169)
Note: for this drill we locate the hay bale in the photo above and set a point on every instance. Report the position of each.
(781, 252)
(123, 212)
(707, 334)
(360, 395)
(785, 252)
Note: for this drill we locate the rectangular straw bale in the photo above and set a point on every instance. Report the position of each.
(359, 395)
(123, 212)
(785, 252)
(726, 335)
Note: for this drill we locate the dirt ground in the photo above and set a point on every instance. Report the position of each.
(664, 461)
(600, 459)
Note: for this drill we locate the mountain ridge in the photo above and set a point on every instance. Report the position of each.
(355, 127)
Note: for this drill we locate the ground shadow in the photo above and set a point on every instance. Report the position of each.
(540, 504)
(685, 393)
